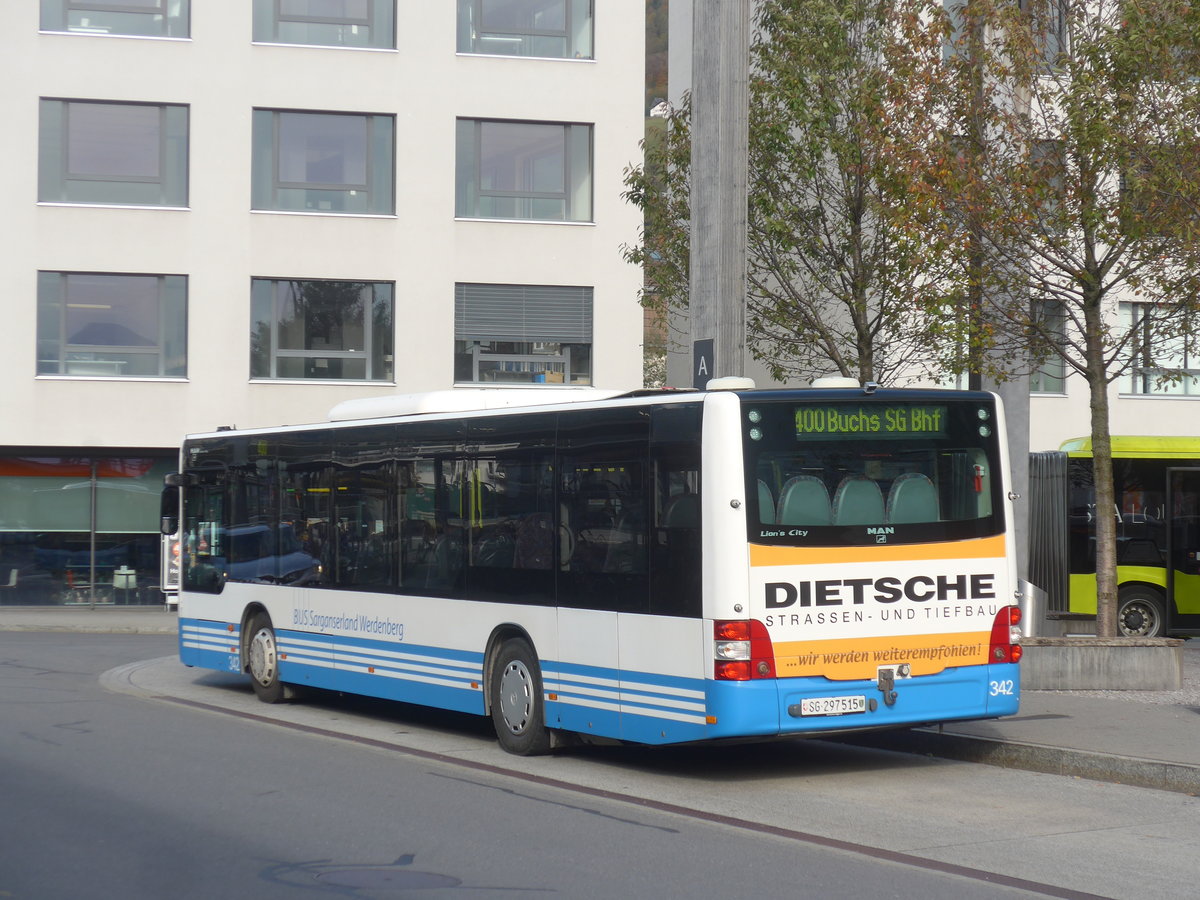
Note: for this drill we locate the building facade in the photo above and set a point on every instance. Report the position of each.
(242, 213)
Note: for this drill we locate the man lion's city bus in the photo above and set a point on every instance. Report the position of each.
(653, 567)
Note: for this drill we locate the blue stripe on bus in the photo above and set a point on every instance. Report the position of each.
(640, 706)
(637, 706)
(412, 673)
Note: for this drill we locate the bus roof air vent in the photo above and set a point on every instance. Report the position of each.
(730, 383)
(834, 381)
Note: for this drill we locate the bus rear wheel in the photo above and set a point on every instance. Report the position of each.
(516, 700)
(1140, 612)
(262, 655)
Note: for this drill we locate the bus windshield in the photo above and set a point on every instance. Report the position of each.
(878, 470)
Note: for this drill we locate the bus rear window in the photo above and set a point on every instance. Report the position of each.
(872, 470)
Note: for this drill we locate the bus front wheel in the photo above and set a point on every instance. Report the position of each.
(262, 654)
(516, 698)
(1140, 612)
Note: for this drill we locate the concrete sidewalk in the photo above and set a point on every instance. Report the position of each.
(1150, 739)
(89, 620)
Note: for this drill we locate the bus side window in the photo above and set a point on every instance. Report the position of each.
(675, 558)
(204, 538)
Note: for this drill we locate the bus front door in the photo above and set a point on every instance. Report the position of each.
(1183, 551)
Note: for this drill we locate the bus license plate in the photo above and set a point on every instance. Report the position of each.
(832, 706)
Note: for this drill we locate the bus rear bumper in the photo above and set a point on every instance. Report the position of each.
(814, 706)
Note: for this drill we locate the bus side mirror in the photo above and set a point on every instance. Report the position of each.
(168, 510)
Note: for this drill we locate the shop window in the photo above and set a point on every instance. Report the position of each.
(326, 23)
(531, 334)
(524, 170)
(118, 326)
(81, 529)
(327, 330)
(560, 29)
(323, 162)
(128, 154)
(131, 18)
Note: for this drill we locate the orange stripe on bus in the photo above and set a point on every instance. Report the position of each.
(977, 548)
(853, 658)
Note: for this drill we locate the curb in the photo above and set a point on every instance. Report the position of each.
(1166, 776)
(87, 629)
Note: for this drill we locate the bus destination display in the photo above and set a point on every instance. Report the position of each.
(843, 421)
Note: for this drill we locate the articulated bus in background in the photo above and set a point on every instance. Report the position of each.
(656, 567)
(1156, 484)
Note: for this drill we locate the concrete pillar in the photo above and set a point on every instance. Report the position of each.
(720, 116)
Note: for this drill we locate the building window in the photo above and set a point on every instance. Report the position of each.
(1159, 194)
(1050, 321)
(1049, 24)
(323, 162)
(1168, 362)
(136, 18)
(524, 170)
(528, 334)
(128, 154)
(120, 326)
(328, 330)
(326, 23)
(560, 29)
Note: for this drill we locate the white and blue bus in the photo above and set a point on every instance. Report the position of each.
(652, 567)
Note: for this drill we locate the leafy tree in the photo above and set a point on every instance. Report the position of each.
(1059, 139)
(831, 277)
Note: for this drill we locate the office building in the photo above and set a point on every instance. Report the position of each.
(242, 213)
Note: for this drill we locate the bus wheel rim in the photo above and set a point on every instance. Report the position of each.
(516, 696)
(1143, 614)
(262, 657)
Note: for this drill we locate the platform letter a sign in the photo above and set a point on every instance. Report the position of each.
(702, 363)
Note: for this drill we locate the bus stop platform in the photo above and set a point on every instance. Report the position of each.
(1142, 738)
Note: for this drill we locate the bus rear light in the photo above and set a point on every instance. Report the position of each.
(1006, 636)
(742, 650)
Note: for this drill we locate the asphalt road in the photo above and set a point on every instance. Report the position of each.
(110, 792)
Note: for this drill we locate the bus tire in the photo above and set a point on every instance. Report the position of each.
(262, 661)
(1140, 611)
(516, 700)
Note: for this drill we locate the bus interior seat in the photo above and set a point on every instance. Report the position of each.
(766, 503)
(857, 501)
(534, 542)
(804, 500)
(912, 498)
(682, 511)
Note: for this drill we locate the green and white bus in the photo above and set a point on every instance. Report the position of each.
(1156, 484)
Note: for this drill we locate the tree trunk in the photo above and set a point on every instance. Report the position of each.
(1106, 524)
